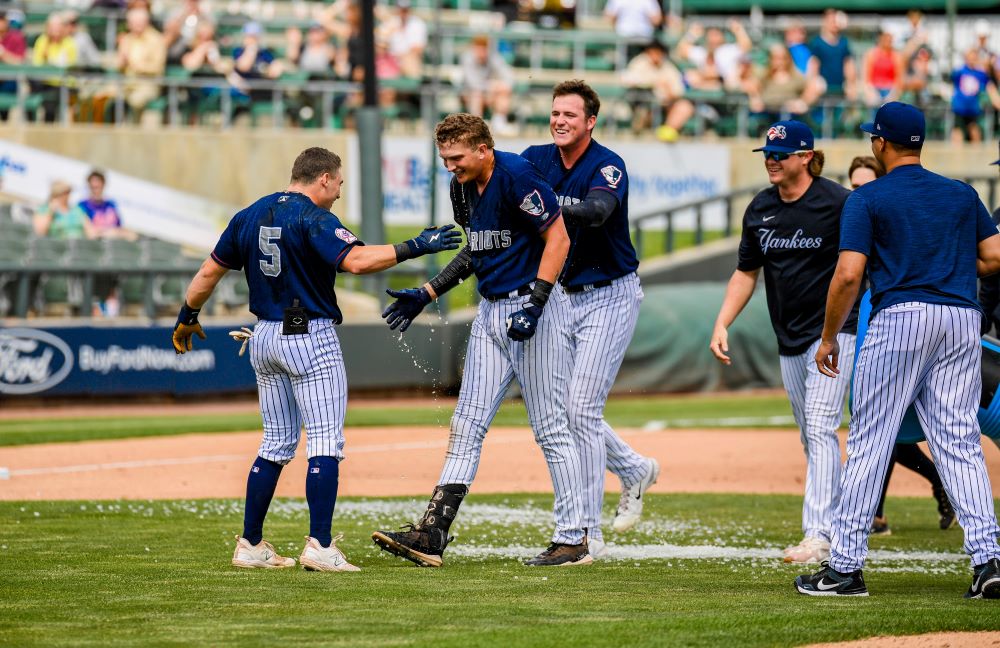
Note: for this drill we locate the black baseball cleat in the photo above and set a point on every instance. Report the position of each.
(830, 582)
(945, 509)
(985, 581)
(421, 546)
(562, 555)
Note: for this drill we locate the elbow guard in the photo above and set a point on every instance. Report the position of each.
(594, 211)
(457, 270)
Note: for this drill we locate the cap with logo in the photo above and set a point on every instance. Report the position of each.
(899, 123)
(788, 136)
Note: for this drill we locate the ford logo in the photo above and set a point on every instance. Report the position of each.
(32, 361)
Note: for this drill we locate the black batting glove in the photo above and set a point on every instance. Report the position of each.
(186, 328)
(430, 241)
(409, 303)
(522, 324)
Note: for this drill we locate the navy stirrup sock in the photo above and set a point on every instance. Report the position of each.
(261, 482)
(321, 493)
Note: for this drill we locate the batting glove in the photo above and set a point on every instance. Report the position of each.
(409, 303)
(435, 239)
(186, 328)
(522, 324)
(243, 335)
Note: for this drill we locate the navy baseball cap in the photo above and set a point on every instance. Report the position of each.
(787, 136)
(899, 123)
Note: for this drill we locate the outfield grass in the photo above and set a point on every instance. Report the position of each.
(656, 411)
(121, 573)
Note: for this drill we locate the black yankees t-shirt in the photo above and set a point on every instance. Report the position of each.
(797, 244)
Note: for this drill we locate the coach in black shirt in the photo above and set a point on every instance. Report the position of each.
(792, 231)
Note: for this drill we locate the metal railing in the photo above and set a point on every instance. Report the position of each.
(668, 214)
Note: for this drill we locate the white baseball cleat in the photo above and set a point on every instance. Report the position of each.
(810, 550)
(598, 548)
(630, 505)
(316, 557)
(263, 555)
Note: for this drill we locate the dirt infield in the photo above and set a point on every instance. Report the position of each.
(932, 640)
(406, 461)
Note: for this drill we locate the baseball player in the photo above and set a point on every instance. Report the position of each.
(517, 246)
(792, 231)
(922, 238)
(291, 247)
(989, 287)
(863, 170)
(603, 296)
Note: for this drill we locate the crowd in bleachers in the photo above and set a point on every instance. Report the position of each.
(670, 74)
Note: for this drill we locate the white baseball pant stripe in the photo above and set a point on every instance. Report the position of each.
(818, 408)
(300, 379)
(541, 368)
(601, 323)
(929, 355)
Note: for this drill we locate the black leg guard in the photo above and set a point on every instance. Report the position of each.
(443, 507)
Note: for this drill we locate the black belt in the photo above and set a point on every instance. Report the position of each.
(520, 292)
(591, 286)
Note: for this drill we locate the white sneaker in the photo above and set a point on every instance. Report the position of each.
(630, 504)
(810, 550)
(316, 557)
(263, 555)
(598, 548)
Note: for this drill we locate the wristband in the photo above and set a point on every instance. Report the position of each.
(540, 293)
(188, 315)
(405, 250)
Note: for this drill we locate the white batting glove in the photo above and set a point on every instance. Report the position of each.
(243, 335)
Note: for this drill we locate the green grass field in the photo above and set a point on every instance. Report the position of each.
(770, 410)
(158, 573)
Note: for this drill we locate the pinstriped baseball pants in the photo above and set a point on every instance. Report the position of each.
(541, 368)
(601, 323)
(818, 408)
(929, 355)
(300, 379)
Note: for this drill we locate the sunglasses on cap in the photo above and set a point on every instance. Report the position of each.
(780, 157)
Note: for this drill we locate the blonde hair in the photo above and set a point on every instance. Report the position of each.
(816, 164)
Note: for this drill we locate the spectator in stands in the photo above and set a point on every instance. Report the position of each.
(342, 19)
(55, 47)
(717, 62)
(915, 33)
(652, 70)
(971, 83)
(407, 34)
(58, 219)
(181, 28)
(102, 212)
(254, 61)
(988, 59)
(87, 54)
(921, 72)
(314, 53)
(142, 52)
(635, 19)
(487, 81)
(863, 170)
(13, 47)
(795, 41)
(883, 69)
(780, 91)
(831, 57)
(203, 53)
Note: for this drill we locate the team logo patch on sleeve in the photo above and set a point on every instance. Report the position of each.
(612, 175)
(345, 235)
(776, 132)
(533, 204)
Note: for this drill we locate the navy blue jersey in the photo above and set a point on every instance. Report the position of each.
(920, 232)
(598, 253)
(505, 222)
(289, 249)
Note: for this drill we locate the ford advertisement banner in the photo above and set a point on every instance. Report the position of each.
(75, 361)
